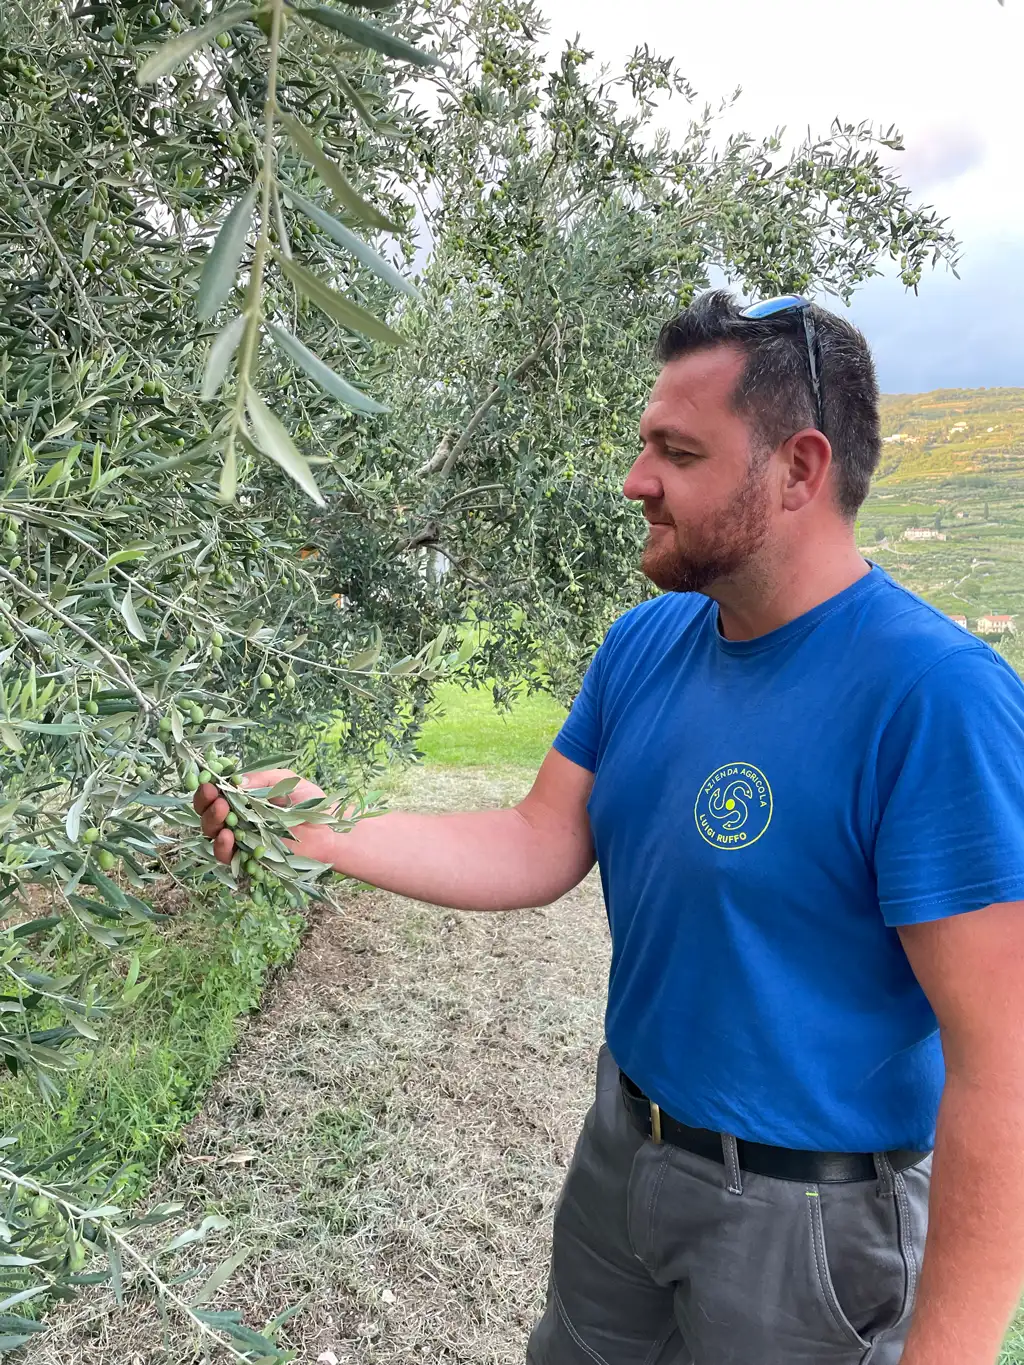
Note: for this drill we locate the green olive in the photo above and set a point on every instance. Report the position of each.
(266, 681)
(92, 707)
(91, 835)
(164, 725)
(251, 866)
(191, 782)
(215, 766)
(205, 776)
(231, 820)
(259, 850)
(106, 859)
(289, 683)
(190, 642)
(39, 1207)
(10, 536)
(198, 715)
(77, 1256)
(216, 639)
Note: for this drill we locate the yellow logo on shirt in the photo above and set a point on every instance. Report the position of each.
(734, 806)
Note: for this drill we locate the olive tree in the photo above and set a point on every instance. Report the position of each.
(565, 227)
(159, 623)
(253, 475)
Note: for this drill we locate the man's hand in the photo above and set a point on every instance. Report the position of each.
(307, 840)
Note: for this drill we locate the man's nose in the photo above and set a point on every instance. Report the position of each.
(642, 483)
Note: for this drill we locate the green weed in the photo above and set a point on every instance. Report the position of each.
(147, 1077)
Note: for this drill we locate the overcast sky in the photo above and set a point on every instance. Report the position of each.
(948, 73)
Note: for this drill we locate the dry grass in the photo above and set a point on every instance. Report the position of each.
(392, 1131)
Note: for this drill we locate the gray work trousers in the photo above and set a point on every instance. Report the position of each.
(661, 1257)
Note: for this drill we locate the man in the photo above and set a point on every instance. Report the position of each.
(805, 792)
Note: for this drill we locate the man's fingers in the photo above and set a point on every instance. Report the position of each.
(204, 797)
(224, 846)
(266, 779)
(214, 816)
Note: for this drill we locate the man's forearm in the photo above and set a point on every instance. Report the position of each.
(974, 1258)
(483, 860)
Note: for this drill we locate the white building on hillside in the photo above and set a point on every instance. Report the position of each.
(996, 625)
(923, 533)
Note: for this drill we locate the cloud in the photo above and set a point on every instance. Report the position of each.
(939, 154)
(956, 333)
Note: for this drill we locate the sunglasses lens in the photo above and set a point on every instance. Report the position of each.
(769, 307)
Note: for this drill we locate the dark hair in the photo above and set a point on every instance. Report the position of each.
(775, 388)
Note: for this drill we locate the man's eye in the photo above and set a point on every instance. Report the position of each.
(680, 454)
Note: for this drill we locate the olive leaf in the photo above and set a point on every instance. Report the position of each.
(367, 35)
(221, 266)
(273, 439)
(222, 348)
(332, 176)
(322, 374)
(363, 253)
(335, 305)
(131, 618)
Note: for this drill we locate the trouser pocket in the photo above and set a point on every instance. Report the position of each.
(867, 1241)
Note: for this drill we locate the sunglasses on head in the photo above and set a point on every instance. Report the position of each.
(790, 306)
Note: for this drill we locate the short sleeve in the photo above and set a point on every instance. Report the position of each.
(951, 792)
(580, 736)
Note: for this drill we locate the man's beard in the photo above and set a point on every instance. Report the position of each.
(716, 549)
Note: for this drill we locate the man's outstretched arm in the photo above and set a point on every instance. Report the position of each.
(528, 855)
(971, 967)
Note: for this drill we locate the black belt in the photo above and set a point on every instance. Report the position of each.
(781, 1162)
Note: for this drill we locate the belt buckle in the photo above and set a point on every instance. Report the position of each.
(655, 1121)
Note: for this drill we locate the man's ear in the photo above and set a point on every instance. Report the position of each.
(806, 459)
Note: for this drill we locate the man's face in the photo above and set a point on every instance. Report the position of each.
(703, 485)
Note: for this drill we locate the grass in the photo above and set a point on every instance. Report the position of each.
(466, 730)
(1013, 1346)
(147, 1077)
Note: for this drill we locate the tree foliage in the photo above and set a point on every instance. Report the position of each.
(565, 228)
(253, 477)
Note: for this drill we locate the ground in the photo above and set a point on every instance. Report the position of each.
(392, 1130)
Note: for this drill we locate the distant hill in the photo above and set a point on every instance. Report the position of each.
(952, 431)
(946, 511)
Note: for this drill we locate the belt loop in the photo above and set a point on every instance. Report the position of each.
(886, 1175)
(730, 1151)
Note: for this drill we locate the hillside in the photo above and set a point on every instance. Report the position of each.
(952, 431)
(952, 466)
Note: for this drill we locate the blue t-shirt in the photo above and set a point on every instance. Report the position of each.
(765, 813)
